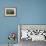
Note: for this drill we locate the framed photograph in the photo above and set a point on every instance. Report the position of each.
(10, 11)
(33, 32)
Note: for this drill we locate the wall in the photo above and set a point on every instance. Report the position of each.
(33, 12)
(28, 12)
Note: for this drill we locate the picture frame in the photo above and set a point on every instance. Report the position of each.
(10, 11)
(39, 28)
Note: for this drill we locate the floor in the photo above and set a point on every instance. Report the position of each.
(7, 45)
(28, 43)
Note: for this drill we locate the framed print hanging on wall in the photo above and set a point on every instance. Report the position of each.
(10, 11)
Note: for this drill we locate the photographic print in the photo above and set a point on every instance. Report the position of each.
(32, 32)
(10, 11)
